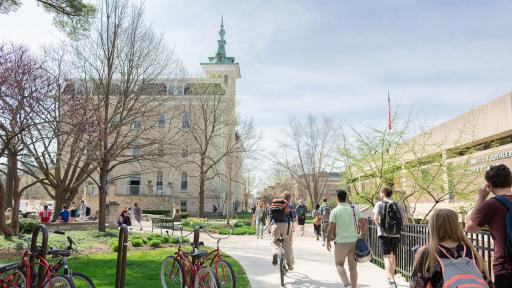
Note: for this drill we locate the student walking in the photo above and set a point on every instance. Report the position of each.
(342, 228)
(317, 220)
(389, 217)
(261, 218)
(325, 212)
(137, 213)
(83, 210)
(449, 259)
(496, 213)
(301, 212)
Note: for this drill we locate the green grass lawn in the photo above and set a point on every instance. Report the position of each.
(142, 268)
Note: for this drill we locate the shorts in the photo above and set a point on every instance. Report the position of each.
(301, 221)
(389, 245)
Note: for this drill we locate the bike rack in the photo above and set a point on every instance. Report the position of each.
(121, 256)
(44, 247)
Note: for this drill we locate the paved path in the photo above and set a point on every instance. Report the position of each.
(314, 265)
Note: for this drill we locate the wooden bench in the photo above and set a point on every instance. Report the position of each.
(162, 223)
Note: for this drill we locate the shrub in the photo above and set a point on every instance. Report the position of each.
(155, 243)
(28, 225)
(19, 246)
(242, 223)
(244, 230)
(165, 239)
(137, 243)
(176, 240)
(224, 231)
(157, 212)
(145, 241)
(114, 245)
(184, 215)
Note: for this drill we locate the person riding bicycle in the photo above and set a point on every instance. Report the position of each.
(281, 218)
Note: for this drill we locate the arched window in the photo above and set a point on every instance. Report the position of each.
(184, 181)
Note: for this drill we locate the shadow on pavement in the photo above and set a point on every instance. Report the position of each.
(302, 280)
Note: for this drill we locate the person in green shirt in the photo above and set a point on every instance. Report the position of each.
(344, 222)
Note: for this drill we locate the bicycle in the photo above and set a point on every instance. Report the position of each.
(222, 268)
(23, 274)
(281, 260)
(187, 269)
(80, 280)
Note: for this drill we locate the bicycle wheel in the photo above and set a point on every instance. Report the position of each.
(225, 273)
(16, 278)
(59, 281)
(81, 280)
(282, 265)
(172, 274)
(206, 278)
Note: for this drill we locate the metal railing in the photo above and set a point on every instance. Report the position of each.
(414, 236)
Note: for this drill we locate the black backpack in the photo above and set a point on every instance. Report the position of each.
(87, 211)
(391, 221)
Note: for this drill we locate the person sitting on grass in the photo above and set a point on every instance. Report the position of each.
(64, 215)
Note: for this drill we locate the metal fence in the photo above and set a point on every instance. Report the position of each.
(414, 236)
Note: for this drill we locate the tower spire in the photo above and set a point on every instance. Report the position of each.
(221, 57)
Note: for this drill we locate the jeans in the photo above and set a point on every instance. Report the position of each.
(324, 231)
(260, 226)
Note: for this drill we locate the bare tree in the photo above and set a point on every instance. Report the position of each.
(120, 65)
(308, 154)
(24, 89)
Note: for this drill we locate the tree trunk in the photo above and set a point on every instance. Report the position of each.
(14, 182)
(102, 220)
(228, 200)
(59, 202)
(202, 181)
(4, 228)
(15, 220)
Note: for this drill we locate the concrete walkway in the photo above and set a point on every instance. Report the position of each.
(314, 265)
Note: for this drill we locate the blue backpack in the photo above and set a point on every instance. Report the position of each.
(508, 220)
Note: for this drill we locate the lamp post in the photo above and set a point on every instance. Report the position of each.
(169, 184)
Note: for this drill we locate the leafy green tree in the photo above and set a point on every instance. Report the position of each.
(70, 16)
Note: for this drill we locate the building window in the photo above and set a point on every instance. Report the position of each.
(185, 124)
(136, 124)
(183, 206)
(184, 152)
(135, 151)
(174, 90)
(161, 121)
(226, 80)
(184, 181)
(134, 184)
(159, 182)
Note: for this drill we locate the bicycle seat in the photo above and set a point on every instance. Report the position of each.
(62, 253)
(199, 253)
(9, 266)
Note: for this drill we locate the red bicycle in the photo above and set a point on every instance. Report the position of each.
(220, 267)
(33, 270)
(188, 269)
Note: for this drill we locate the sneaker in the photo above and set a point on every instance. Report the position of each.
(391, 284)
(274, 259)
(289, 268)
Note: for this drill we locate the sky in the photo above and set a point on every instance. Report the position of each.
(335, 58)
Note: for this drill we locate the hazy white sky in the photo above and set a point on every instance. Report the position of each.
(336, 58)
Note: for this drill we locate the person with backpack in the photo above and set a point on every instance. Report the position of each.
(261, 218)
(325, 211)
(389, 217)
(449, 259)
(301, 211)
(317, 220)
(345, 221)
(496, 213)
(281, 220)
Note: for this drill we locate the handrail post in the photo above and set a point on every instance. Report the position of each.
(121, 256)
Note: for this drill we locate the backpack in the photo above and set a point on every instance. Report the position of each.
(87, 211)
(391, 219)
(508, 221)
(460, 272)
(326, 213)
(362, 251)
(301, 210)
(317, 218)
(277, 211)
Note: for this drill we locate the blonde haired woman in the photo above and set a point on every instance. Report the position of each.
(261, 217)
(449, 254)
